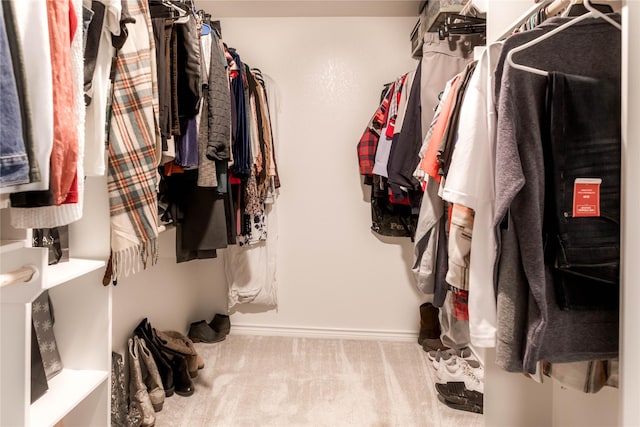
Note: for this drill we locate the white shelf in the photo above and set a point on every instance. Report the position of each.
(66, 391)
(11, 245)
(58, 274)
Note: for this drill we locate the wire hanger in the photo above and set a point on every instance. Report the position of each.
(593, 13)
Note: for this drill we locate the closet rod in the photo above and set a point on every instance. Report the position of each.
(556, 7)
(21, 275)
(525, 17)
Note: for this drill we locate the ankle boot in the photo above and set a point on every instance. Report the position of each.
(150, 374)
(429, 335)
(144, 330)
(201, 332)
(137, 389)
(220, 323)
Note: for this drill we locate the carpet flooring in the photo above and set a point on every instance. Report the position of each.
(308, 382)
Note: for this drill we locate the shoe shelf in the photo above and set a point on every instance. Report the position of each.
(66, 271)
(66, 391)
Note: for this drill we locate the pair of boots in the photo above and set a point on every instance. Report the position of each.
(145, 385)
(175, 356)
(429, 336)
(212, 332)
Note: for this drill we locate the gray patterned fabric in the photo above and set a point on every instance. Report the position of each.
(219, 106)
(42, 317)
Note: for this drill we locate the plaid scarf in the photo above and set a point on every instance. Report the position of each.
(133, 142)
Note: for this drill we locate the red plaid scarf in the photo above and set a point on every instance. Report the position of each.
(133, 141)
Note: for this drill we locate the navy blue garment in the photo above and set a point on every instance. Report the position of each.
(241, 143)
(405, 151)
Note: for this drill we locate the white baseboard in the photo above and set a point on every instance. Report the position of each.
(332, 333)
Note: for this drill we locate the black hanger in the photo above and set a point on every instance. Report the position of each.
(456, 24)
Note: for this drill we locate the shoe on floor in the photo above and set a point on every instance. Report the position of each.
(469, 407)
(201, 332)
(433, 344)
(448, 356)
(453, 363)
(184, 384)
(429, 323)
(464, 352)
(221, 323)
(456, 392)
(460, 370)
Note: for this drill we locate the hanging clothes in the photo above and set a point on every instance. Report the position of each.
(20, 75)
(207, 176)
(251, 269)
(240, 132)
(14, 160)
(250, 266)
(72, 208)
(540, 328)
(219, 107)
(64, 154)
(32, 31)
(470, 183)
(98, 91)
(200, 216)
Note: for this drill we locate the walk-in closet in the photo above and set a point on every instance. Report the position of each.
(319, 213)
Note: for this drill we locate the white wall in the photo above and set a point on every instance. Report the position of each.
(333, 271)
(334, 274)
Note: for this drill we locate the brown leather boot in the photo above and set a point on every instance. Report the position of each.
(177, 343)
(429, 336)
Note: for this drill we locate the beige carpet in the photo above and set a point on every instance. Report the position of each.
(284, 381)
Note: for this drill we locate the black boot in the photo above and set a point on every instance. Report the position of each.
(221, 323)
(429, 336)
(201, 332)
(145, 331)
(184, 385)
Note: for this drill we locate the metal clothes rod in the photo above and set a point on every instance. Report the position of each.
(23, 274)
(526, 16)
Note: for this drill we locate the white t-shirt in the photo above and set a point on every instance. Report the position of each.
(470, 182)
(95, 153)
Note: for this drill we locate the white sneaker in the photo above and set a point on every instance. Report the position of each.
(461, 370)
(465, 353)
(475, 366)
(449, 358)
